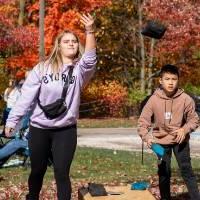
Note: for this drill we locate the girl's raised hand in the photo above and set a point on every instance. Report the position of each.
(88, 21)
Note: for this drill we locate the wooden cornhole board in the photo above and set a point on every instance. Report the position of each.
(128, 194)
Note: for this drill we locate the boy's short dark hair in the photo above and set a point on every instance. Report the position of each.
(172, 69)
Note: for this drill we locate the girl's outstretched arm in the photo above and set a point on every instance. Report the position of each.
(88, 22)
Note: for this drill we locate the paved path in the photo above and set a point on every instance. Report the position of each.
(122, 139)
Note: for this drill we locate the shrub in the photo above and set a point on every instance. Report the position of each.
(109, 99)
(191, 89)
(135, 97)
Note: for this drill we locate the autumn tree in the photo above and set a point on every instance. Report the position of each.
(123, 53)
(117, 40)
(181, 43)
(61, 15)
(15, 38)
(22, 45)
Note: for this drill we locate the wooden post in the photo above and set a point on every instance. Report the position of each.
(41, 30)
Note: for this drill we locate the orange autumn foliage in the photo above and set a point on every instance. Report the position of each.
(109, 98)
(59, 15)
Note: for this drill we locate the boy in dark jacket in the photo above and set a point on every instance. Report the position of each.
(175, 118)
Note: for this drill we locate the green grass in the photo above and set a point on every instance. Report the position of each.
(107, 123)
(109, 166)
(118, 166)
(102, 165)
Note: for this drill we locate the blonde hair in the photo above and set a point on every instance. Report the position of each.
(55, 58)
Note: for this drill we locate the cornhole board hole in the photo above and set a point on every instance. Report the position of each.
(127, 194)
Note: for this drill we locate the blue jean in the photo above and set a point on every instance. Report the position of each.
(12, 146)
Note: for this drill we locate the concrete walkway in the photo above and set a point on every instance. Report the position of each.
(122, 139)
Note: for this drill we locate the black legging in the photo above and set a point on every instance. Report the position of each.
(62, 143)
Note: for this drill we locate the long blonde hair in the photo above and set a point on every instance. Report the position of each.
(55, 58)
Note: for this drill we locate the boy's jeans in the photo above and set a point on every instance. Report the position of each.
(182, 154)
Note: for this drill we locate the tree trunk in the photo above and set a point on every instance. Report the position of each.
(142, 51)
(150, 66)
(21, 12)
(41, 30)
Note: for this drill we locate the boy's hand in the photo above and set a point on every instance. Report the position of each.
(88, 22)
(180, 135)
(150, 142)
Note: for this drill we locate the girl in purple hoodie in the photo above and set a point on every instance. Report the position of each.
(43, 86)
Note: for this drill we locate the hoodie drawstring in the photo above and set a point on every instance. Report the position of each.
(172, 101)
(165, 113)
(171, 110)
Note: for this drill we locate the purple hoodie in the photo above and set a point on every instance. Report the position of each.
(51, 86)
